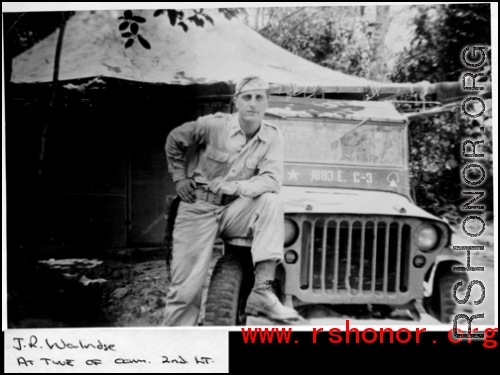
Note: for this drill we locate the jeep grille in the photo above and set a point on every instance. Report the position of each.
(355, 259)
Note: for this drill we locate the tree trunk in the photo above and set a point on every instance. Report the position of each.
(378, 68)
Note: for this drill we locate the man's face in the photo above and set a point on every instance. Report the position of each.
(252, 105)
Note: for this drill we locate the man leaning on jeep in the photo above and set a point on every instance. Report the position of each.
(237, 172)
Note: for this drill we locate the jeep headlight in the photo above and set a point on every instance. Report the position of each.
(291, 231)
(426, 237)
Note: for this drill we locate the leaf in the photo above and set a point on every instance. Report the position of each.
(184, 26)
(197, 21)
(128, 14)
(126, 35)
(172, 14)
(209, 19)
(129, 43)
(224, 11)
(229, 13)
(123, 25)
(139, 19)
(158, 12)
(134, 28)
(143, 42)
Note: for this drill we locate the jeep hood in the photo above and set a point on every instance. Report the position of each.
(342, 201)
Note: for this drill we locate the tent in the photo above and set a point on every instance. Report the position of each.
(223, 52)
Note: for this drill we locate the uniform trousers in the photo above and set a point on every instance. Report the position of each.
(197, 225)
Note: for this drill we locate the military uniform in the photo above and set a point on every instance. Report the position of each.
(222, 153)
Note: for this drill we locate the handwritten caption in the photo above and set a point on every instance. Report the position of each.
(122, 348)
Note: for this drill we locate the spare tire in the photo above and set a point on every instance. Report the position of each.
(441, 304)
(227, 292)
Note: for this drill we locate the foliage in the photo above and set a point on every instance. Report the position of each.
(132, 22)
(23, 30)
(436, 163)
(334, 37)
(442, 31)
(176, 17)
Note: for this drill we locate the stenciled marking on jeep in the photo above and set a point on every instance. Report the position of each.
(346, 176)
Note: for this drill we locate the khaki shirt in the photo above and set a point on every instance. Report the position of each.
(221, 153)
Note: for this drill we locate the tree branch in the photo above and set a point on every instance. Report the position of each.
(304, 20)
(284, 18)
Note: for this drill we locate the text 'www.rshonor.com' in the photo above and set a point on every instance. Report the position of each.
(353, 335)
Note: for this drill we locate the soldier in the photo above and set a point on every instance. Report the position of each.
(232, 191)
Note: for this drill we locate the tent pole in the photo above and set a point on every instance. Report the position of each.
(55, 80)
(128, 189)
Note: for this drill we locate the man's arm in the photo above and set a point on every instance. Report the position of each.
(270, 177)
(176, 147)
(178, 142)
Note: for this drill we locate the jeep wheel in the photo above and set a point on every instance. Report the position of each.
(441, 304)
(227, 293)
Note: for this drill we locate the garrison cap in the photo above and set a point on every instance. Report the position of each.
(251, 83)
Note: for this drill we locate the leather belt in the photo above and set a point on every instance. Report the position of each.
(217, 199)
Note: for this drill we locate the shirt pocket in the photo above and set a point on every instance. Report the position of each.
(215, 162)
(251, 166)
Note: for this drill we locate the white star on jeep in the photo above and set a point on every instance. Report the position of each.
(292, 175)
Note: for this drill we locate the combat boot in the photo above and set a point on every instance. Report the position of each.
(262, 299)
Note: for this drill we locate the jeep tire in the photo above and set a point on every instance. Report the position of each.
(227, 292)
(441, 304)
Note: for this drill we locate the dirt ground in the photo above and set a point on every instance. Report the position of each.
(126, 291)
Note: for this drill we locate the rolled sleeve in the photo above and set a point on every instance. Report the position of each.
(270, 177)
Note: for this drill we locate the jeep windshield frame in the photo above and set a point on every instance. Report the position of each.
(330, 149)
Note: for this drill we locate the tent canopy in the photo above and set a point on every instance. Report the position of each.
(221, 53)
(225, 52)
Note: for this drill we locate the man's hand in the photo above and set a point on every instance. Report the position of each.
(185, 190)
(228, 188)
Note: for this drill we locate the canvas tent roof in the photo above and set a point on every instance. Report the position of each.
(357, 110)
(224, 52)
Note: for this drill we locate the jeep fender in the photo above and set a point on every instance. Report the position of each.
(446, 255)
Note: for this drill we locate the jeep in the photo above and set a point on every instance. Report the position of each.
(353, 233)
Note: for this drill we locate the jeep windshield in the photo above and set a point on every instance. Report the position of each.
(333, 142)
(346, 154)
